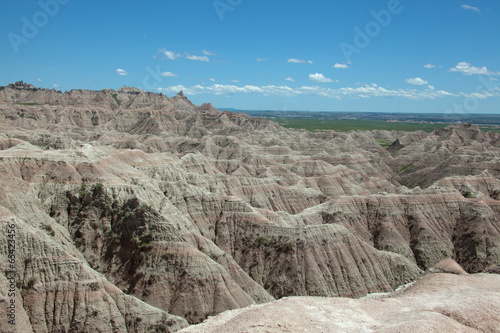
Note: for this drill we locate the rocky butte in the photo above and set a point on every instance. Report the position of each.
(135, 212)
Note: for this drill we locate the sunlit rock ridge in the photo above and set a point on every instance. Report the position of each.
(136, 212)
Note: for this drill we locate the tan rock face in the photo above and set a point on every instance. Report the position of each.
(436, 303)
(145, 198)
(448, 265)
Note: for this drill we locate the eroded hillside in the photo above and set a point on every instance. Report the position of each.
(142, 208)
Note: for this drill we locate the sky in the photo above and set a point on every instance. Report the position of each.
(317, 55)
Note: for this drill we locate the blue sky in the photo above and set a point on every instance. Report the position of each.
(392, 56)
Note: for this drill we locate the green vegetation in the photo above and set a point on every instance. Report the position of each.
(94, 286)
(345, 125)
(343, 121)
(83, 190)
(406, 168)
(384, 143)
(261, 241)
(285, 246)
(144, 242)
(468, 195)
(490, 129)
(254, 263)
(31, 282)
(22, 115)
(49, 229)
(145, 246)
(28, 104)
(144, 207)
(115, 97)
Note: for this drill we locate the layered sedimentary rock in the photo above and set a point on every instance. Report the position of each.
(193, 211)
(436, 303)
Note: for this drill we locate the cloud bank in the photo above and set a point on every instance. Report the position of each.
(366, 91)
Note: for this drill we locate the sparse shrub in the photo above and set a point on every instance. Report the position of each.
(145, 207)
(115, 97)
(83, 190)
(97, 187)
(49, 229)
(468, 195)
(286, 246)
(148, 236)
(115, 239)
(31, 282)
(261, 241)
(254, 263)
(94, 286)
(145, 246)
(406, 168)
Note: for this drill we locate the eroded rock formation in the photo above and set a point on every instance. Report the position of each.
(436, 303)
(124, 197)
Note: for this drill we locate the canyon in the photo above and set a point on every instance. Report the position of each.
(136, 212)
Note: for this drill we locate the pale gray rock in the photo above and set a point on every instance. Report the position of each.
(436, 303)
(171, 210)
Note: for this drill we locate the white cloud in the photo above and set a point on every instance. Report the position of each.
(466, 69)
(169, 74)
(39, 80)
(341, 66)
(317, 77)
(482, 94)
(430, 87)
(289, 79)
(235, 81)
(300, 61)
(169, 54)
(55, 85)
(429, 66)
(198, 58)
(365, 91)
(474, 9)
(416, 81)
(212, 79)
(120, 71)
(261, 59)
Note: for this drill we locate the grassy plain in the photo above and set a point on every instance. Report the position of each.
(346, 121)
(344, 125)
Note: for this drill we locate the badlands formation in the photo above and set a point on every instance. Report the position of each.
(135, 212)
